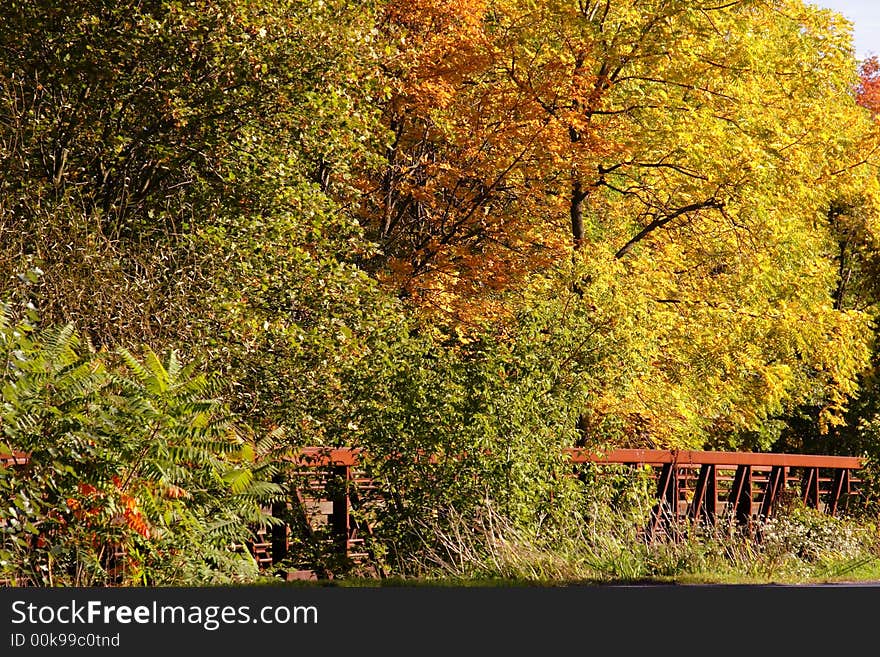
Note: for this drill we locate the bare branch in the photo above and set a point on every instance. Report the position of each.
(661, 221)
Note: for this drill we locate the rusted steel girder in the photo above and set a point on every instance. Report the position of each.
(325, 456)
(811, 488)
(667, 500)
(840, 486)
(775, 486)
(741, 495)
(749, 472)
(693, 457)
(330, 456)
(704, 505)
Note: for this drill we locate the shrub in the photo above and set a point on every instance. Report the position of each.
(133, 469)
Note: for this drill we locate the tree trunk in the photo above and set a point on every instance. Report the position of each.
(577, 213)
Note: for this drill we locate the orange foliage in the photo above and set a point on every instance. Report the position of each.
(134, 519)
(868, 91)
(445, 39)
(131, 515)
(460, 209)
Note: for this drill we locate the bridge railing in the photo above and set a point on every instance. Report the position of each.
(746, 486)
(703, 486)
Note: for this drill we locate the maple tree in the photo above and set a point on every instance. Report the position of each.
(868, 89)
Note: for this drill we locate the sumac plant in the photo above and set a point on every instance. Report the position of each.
(135, 475)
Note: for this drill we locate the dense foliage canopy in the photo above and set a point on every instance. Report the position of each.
(478, 229)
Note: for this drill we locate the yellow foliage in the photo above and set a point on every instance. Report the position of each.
(701, 149)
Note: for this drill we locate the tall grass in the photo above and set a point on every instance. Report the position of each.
(605, 542)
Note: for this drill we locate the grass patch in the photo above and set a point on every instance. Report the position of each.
(800, 546)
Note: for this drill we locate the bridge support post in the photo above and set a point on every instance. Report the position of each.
(740, 498)
(839, 486)
(339, 517)
(665, 511)
(705, 503)
(811, 488)
(279, 533)
(775, 485)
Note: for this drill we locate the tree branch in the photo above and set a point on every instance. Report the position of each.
(661, 221)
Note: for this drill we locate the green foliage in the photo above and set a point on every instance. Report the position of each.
(451, 422)
(173, 164)
(132, 471)
(647, 225)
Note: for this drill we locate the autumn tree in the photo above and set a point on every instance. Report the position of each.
(690, 151)
(449, 208)
(852, 219)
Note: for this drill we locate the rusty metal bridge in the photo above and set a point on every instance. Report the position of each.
(328, 484)
(700, 486)
(745, 486)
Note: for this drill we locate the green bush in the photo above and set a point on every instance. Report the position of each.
(135, 474)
